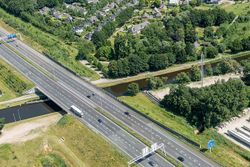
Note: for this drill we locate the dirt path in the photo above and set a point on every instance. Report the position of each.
(159, 94)
(28, 130)
(25, 97)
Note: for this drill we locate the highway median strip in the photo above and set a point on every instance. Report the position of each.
(139, 137)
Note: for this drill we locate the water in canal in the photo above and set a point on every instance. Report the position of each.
(121, 89)
(28, 111)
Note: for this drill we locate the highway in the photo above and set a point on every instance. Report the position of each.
(64, 98)
(98, 98)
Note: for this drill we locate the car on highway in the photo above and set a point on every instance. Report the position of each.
(99, 120)
(151, 163)
(180, 159)
(127, 113)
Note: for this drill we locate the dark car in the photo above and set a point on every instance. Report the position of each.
(151, 163)
(180, 159)
(126, 113)
(88, 96)
(99, 120)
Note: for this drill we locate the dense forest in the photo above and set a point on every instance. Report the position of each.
(207, 107)
(162, 44)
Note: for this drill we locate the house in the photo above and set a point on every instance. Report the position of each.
(62, 16)
(118, 1)
(135, 2)
(212, 1)
(45, 10)
(101, 14)
(135, 29)
(146, 16)
(78, 29)
(109, 7)
(93, 19)
(156, 12)
(89, 36)
(92, 1)
(178, 2)
(76, 7)
(174, 2)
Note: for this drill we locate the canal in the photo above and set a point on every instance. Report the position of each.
(26, 111)
(121, 89)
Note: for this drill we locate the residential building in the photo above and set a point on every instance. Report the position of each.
(135, 29)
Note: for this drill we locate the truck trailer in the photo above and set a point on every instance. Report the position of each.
(76, 110)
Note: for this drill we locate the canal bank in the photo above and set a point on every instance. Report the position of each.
(27, 111)
(118, 87)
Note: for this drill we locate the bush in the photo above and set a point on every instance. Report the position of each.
(155, 82)
(133, 89)
(211, 51)
(182, 78)
(209, 70)
(195, 73)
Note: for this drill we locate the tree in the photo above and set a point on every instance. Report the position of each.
(104, 52)
(208, 32)
(180, 52)
(157, 3)
(99, 38)
(182, 78)
(2, 120)
(137, 64)
(211, 51)
(195, 74)
(155, 82)
(235, 46)
(227, 66)
(209, 70)
(158, 62)
(133, 89)
(208, 106)
(120, 47)
(246, 71)
(246, 43)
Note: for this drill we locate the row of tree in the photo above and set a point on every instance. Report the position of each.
(208, 106)
(246, 71)
(223, 67)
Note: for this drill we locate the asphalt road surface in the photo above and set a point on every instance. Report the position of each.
(98, 98)
(65, 98)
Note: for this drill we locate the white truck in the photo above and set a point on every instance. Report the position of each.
(76, 110)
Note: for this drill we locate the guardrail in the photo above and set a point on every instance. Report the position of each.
(175, 133)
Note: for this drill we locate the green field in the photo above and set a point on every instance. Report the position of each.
(225, 152)
(8, 86)
(81, 147)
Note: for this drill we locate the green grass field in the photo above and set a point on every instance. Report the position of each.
(225, 152)
(242, 30)
(81, 148)
(9, 93)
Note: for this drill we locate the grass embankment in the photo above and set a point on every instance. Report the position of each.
(44, 42)
(172, 69)
(225, 152)
(240, 29)
(12, 83)
(66, 144)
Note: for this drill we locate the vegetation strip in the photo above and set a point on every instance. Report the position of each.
(173, 69)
